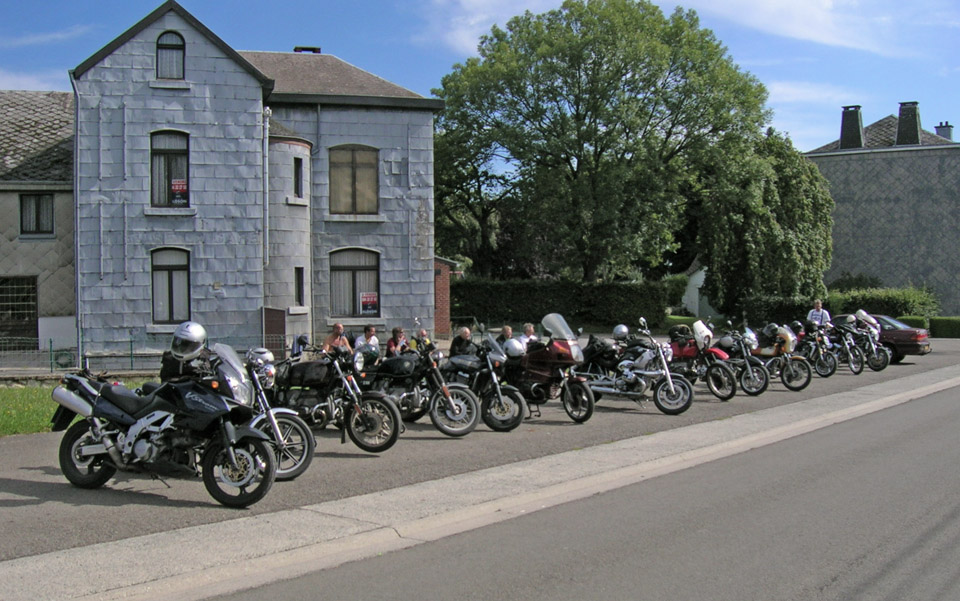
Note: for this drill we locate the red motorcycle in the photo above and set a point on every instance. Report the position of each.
(695, 358)
(543, 370)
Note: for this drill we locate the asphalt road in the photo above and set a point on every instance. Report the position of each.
(42, 512)
(864, 510)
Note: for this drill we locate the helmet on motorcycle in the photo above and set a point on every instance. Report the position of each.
(260, 356)
(725, 342)
(620, 332)
(513, 348)
(188, 341)
(770, 330)
(796, 326)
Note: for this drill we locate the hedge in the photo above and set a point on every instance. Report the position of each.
(517, 301)
(945, 327)
(885, 301)
(916, 321)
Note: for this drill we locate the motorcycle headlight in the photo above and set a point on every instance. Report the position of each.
(358, 362)
(268, 375)
(751, 339)
(437, 356)
(239, 390)
(667, 351)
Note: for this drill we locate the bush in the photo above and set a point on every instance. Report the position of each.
(886, 301)
(848, 281)
(945, 327)
(916, 321)
(675, 286)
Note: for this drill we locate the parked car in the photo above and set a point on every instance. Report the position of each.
(900, 338)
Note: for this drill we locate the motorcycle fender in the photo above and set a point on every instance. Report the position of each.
(62, 418)
(575, 378)
(235, 434)
(753, 360)
(275, 411)
(508, 388)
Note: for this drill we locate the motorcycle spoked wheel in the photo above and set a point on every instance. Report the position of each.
(296, 453)
(459, 420)
(505, 416)
(376, 427)
(855, 360)
(676, 402)
(754, 379)
(83, 472)
(243, 484)
(721, 381)
(578, 401)
(826, 364)
(879, 360)
(795, 373)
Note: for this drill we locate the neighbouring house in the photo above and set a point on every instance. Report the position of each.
(37, 302)
(897, 192)
(262, 194)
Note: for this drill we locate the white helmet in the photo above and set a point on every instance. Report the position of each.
(260, 356)
(620, 332)
(188, 341)
(513, 348)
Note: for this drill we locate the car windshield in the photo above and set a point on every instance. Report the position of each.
(557, 326)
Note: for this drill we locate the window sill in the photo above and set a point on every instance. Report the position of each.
(37, 237)
(298, 201)
(171, 212)
(374, 320)
(172, 84)
(298, 310)
(358, 218)
(161, 328)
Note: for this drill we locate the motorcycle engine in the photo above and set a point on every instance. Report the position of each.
(644, 361)
(625, 368)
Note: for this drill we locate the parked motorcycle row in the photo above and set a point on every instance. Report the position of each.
(246, 422)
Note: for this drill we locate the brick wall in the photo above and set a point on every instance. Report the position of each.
(441, 275)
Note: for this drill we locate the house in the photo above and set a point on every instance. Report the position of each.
(262, 194)
(896, 188)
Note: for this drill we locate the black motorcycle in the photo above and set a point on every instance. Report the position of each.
(751, 372)
(502, 407)
(322, 387)
(815, 345)
(195, 428)
(414, 379)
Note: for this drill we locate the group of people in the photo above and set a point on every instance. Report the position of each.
(463, 344)
(396, 344)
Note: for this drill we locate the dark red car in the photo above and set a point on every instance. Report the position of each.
(900, 338)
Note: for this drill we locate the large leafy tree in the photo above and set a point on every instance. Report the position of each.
(571, 141)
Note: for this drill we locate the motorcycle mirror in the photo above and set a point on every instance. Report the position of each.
(482, 328)
(643, 323)
(579, 331)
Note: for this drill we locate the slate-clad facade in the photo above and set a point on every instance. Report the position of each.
(203, 191)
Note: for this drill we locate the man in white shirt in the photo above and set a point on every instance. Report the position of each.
(527, 335)
(818, 314)
(369, 336)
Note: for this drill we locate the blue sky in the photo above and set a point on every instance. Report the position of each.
(814, 56)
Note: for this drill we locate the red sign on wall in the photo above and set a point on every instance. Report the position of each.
(369, 303)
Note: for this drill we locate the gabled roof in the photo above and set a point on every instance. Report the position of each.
(326, 79)
(883, 134)
(36, 136)
(171, 5)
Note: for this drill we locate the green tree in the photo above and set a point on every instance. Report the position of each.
(587, 125)
(764, 224)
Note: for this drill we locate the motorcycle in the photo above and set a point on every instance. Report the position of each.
(814, 344)
(867, 338)
(195, 428)
(695, 359)
(544, 370)
(751, 372)
(502, 407)
(413, 377)
(635, 365)
(325, 391)
(847, 350)
(777, 346)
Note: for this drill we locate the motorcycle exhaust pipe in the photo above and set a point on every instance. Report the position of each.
(72, 401)
(615, 391)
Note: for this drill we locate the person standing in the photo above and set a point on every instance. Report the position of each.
(818, 314)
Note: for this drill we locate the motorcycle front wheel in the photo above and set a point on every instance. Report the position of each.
(795, 373)
(461, 418)
(295, 452)
(855, 360)
(578, 401)
(245, 483)
(721, 381)
(878, 360)
(502, 416)
(81, 470)
(676, 402)
(376, 427)
(754, 379)
(826, 364)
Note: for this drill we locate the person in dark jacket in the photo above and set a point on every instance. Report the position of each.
(462, 344)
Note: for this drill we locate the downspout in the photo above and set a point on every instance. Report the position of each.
(76, 218)
(265, 162)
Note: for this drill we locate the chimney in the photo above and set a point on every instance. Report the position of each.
(851, 127)
(908, 126)
(308, 49)
(945, 130)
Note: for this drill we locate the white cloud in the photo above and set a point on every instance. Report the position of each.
(35, 39)
(792, 92)
(458, 24)
(39, 81)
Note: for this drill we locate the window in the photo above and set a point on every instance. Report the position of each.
(353, 180)
(171, 285)
(298, 177)
(170, 56)
(18, 309)
(298, 286)
(169, 167)
(36, 213)
(354, 283)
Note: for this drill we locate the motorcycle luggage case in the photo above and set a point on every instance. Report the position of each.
(402, 365)
(308, 373)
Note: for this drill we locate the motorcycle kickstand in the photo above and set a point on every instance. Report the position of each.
(534, 409)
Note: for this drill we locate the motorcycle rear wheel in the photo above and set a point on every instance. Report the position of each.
(855, 360)
(459, 421)
(676, 402)
(578, 401)
(247, 482)
(376, 427)
(795, 373)
(505, 416)
(754, 379)
(721, 381)
(83, 472)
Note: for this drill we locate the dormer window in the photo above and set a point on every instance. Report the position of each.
(170, 55)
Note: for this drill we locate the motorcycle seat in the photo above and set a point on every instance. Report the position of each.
(124, 398)
(465, 362)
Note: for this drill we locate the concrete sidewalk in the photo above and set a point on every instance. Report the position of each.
(202, 561)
